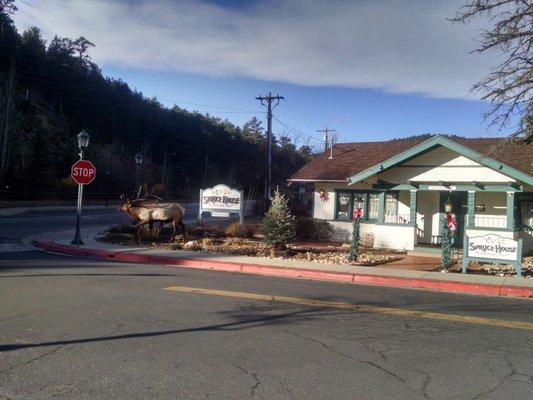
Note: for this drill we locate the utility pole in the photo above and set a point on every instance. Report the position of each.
(267, 101)
(326, 136)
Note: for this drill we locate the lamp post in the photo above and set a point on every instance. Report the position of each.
(138, 166)
(83, 142)
(448, 206)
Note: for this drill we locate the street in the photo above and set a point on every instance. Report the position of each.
(88, 329)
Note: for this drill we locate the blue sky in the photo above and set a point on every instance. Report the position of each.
(372, 70)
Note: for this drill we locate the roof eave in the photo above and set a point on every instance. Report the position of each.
(450, 144)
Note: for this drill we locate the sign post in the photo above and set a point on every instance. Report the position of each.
(221, 201)
(83, 172)
(494, 249)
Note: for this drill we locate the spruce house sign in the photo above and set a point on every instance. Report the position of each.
(493, 248)
(221, 201)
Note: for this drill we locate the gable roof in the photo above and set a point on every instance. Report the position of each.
(356, 161)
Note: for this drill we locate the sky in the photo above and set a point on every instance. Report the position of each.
(370, 69)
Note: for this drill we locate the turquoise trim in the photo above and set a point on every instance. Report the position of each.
(471, 202)
(510, 211)
(412, 207)
(381, 208)
(458, 188)
(450, 144)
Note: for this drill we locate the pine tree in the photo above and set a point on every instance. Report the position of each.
(356, 239)
(446, 245)
(279, 226)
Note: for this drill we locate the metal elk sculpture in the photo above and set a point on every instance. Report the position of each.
(149, 210)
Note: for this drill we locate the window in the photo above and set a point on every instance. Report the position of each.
(359, 203)
(344, 205)
(368, 202)
(373, 206)
(391, 204)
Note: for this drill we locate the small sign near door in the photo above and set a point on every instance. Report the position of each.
(493, 248)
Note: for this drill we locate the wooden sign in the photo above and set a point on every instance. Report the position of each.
(494, 249)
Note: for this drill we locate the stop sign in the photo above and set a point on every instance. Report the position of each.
(83, 172)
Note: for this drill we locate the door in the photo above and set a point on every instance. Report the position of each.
(459, 201)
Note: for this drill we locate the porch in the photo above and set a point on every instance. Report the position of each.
(406, 216)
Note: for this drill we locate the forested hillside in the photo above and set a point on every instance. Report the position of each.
(51, 91)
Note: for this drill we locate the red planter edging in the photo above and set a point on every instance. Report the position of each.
(304, 273)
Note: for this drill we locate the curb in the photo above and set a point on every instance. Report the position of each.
(290, 272)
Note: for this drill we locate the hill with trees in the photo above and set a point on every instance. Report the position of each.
(51, 91)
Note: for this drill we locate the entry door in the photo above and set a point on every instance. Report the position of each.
(459, 202)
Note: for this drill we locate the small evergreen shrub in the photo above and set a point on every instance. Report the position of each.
(279, 226)
(312, 229)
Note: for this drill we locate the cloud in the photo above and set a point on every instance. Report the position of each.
(392, 45)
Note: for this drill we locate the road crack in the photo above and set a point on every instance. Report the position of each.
(251, 374)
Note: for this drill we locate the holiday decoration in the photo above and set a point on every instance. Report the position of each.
(323, 195)
(446, 241)
(356, 235)
(451, 221)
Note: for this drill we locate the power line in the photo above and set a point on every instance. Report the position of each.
(297, 131)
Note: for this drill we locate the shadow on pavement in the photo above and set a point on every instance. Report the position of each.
(241, 324)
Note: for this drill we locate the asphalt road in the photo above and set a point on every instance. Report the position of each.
(14, 228)
(86, 329)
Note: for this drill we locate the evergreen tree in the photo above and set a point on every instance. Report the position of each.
(279, 226)
(60, 91)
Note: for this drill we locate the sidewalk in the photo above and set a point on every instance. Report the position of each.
(59, 242)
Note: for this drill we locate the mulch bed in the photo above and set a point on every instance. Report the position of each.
(215, 243)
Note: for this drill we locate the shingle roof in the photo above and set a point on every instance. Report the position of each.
(352, 158)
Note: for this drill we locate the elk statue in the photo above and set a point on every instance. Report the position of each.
(149, 211)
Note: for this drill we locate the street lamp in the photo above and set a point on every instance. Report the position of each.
(138, 165)
(83, 142)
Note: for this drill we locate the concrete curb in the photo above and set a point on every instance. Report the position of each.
(291, 272)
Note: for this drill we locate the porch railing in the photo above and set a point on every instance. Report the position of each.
(397, 218)
(488, 221)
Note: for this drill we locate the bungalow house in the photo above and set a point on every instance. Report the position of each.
(402, 187)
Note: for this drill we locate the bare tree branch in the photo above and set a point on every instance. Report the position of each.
(509, 86)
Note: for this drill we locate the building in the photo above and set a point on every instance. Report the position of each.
(403, 185)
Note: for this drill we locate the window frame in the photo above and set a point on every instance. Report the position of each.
(366, 194)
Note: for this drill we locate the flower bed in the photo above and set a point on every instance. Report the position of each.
(214, 242)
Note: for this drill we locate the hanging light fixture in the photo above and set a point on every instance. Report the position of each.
(448, 206)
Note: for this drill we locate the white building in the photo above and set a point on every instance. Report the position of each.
(401, 187)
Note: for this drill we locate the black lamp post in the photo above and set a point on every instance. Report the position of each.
(138, 166)
(83, 142)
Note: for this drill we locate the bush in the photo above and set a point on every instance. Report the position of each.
(279, 226)
(312, 229)
(236, 229)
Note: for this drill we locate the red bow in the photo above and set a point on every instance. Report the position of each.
(357, 213)
(451, 221)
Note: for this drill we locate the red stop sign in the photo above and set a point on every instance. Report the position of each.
(83, 172)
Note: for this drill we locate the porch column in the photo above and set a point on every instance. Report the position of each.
(510, 210)
(471, 209)
(381, 207)
(412, 208)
